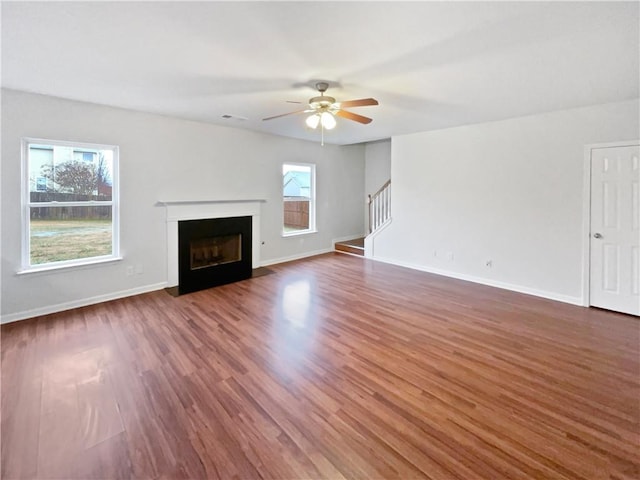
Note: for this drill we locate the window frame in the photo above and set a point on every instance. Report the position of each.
(312, 200)
(26, 206)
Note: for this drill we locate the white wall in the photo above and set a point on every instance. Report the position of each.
(377, 165)
(508, 191)
(164, 158)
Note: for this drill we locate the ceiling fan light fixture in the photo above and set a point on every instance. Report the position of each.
(324, 109)
(328, 120)
(313, 120)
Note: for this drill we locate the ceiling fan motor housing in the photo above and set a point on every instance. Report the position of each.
(321, 102)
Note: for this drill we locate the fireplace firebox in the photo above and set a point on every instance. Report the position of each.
(213, 252)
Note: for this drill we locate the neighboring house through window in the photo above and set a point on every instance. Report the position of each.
(298, 192)
(70, 204)
(84, 156)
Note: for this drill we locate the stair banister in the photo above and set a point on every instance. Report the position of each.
(379, 207)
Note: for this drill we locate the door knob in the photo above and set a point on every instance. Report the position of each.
(597, 235)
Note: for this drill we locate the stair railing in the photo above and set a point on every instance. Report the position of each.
(380, 207)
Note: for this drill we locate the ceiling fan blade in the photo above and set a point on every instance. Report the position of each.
(353, 116)
(292, 101)
(285, 114)
(363, 102)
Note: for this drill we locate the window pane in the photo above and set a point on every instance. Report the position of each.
(296, 191)
(58, 173)
(69, 233)
(296, 214)
(39, 157)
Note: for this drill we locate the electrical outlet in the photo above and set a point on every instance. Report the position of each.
(129, 270)
(488, 263)
(450, 256)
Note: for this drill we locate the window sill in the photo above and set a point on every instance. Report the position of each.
(68, 266)
(296, 234)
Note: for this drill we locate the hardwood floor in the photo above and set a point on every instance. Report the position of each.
(332, 367)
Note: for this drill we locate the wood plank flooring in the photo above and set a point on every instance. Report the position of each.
(332, 367)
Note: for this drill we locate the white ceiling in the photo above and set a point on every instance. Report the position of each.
(430, 65)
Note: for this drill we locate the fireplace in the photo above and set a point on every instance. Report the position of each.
(213, 252)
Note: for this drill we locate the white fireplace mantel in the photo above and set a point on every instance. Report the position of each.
(178, 210)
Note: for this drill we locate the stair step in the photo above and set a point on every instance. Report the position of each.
(355, 247)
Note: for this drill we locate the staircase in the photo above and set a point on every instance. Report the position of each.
(380, 207)
(354, 247)
(379, 215)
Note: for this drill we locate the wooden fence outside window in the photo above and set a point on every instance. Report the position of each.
(296, 213)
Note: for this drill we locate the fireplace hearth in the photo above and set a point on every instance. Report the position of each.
(213, 252)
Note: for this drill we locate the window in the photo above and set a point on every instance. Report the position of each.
(298, 193)
(70, 204)
(84, 156)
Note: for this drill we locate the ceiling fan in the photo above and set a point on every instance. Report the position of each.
(324, 108)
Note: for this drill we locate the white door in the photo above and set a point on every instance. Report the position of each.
(615, 229)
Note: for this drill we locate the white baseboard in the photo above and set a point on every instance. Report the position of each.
(60, 307)
(485, 281)
(36, 312)
(290, 258)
